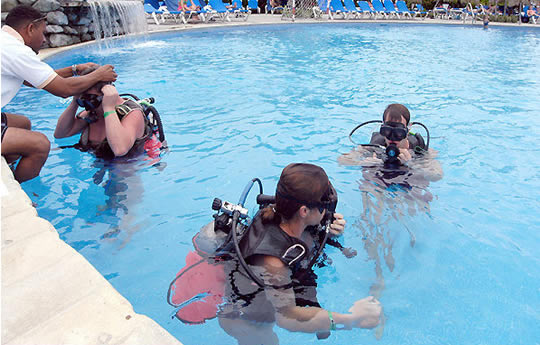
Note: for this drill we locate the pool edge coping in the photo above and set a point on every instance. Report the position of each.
(51, 293)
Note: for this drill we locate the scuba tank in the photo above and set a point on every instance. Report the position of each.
(151, 114)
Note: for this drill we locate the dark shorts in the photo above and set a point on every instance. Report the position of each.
(4, 125)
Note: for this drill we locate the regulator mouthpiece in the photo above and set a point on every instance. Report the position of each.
(392, 153)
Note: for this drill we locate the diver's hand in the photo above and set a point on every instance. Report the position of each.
(338, 225)
(110, 95)
(106, 73)
(366, 312)
(404, 156)
(372, 160)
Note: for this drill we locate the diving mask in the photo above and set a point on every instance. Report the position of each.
(394, 131)
(89, 101)
(326, 203)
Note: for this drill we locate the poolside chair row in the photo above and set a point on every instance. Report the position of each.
(474, 13)
(170, 9)
(348, 9)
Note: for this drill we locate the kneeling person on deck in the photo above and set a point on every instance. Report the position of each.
(22, 37)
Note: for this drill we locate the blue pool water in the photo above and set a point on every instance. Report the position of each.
(244, 102)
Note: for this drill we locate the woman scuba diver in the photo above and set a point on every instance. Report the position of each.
(110, 125)
(277, 285)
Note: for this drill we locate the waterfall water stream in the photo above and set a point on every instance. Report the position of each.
(117, 17)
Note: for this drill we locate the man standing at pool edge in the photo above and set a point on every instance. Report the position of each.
(22, 37)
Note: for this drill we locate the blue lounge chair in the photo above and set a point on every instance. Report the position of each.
(189, 14)
(350, 6)
(153, 12)
(390, 9)
(379, 8)
(220, 9)
(154, 3)
(366, 9)
(337, 7)
(441, 12)
(205, 9)
(171, 11)
(323, 7)
(239, 10)
(253, 5)
(420, 11)
(271, 9)
(524, 17)
(403, 9)
(468, 11)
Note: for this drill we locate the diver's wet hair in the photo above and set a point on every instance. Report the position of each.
(298, 181)
(100, 84)
(395, 111)
(22, 15)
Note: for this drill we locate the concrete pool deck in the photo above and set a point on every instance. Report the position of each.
(50, 293)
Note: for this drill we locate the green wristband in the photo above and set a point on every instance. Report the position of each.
(332, 322)
(107, 113)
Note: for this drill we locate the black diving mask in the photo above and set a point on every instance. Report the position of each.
(394, 131)
(321, 206)
(324, 204)
(89, 101)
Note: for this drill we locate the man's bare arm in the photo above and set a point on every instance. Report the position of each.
(65, 87)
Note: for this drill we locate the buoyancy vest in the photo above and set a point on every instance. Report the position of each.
(416, 141)
(270, 239)
(103, 149)
(225, 278)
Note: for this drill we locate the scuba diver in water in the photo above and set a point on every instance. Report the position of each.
(267, 266)
(397, 167)
(111, 126)
(395, 147)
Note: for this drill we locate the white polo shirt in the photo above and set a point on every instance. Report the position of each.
(20, 63)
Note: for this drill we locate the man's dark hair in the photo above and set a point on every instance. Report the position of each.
(22, 15)
(394, 112)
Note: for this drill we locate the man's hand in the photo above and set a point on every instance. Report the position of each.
(338, 225)
(110, 95)
(82, 66)
(106, 73)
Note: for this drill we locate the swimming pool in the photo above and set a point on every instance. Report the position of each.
(243, 102)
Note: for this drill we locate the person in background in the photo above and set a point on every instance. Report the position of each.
(395, 130)
(22, 37)
(187, 6)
